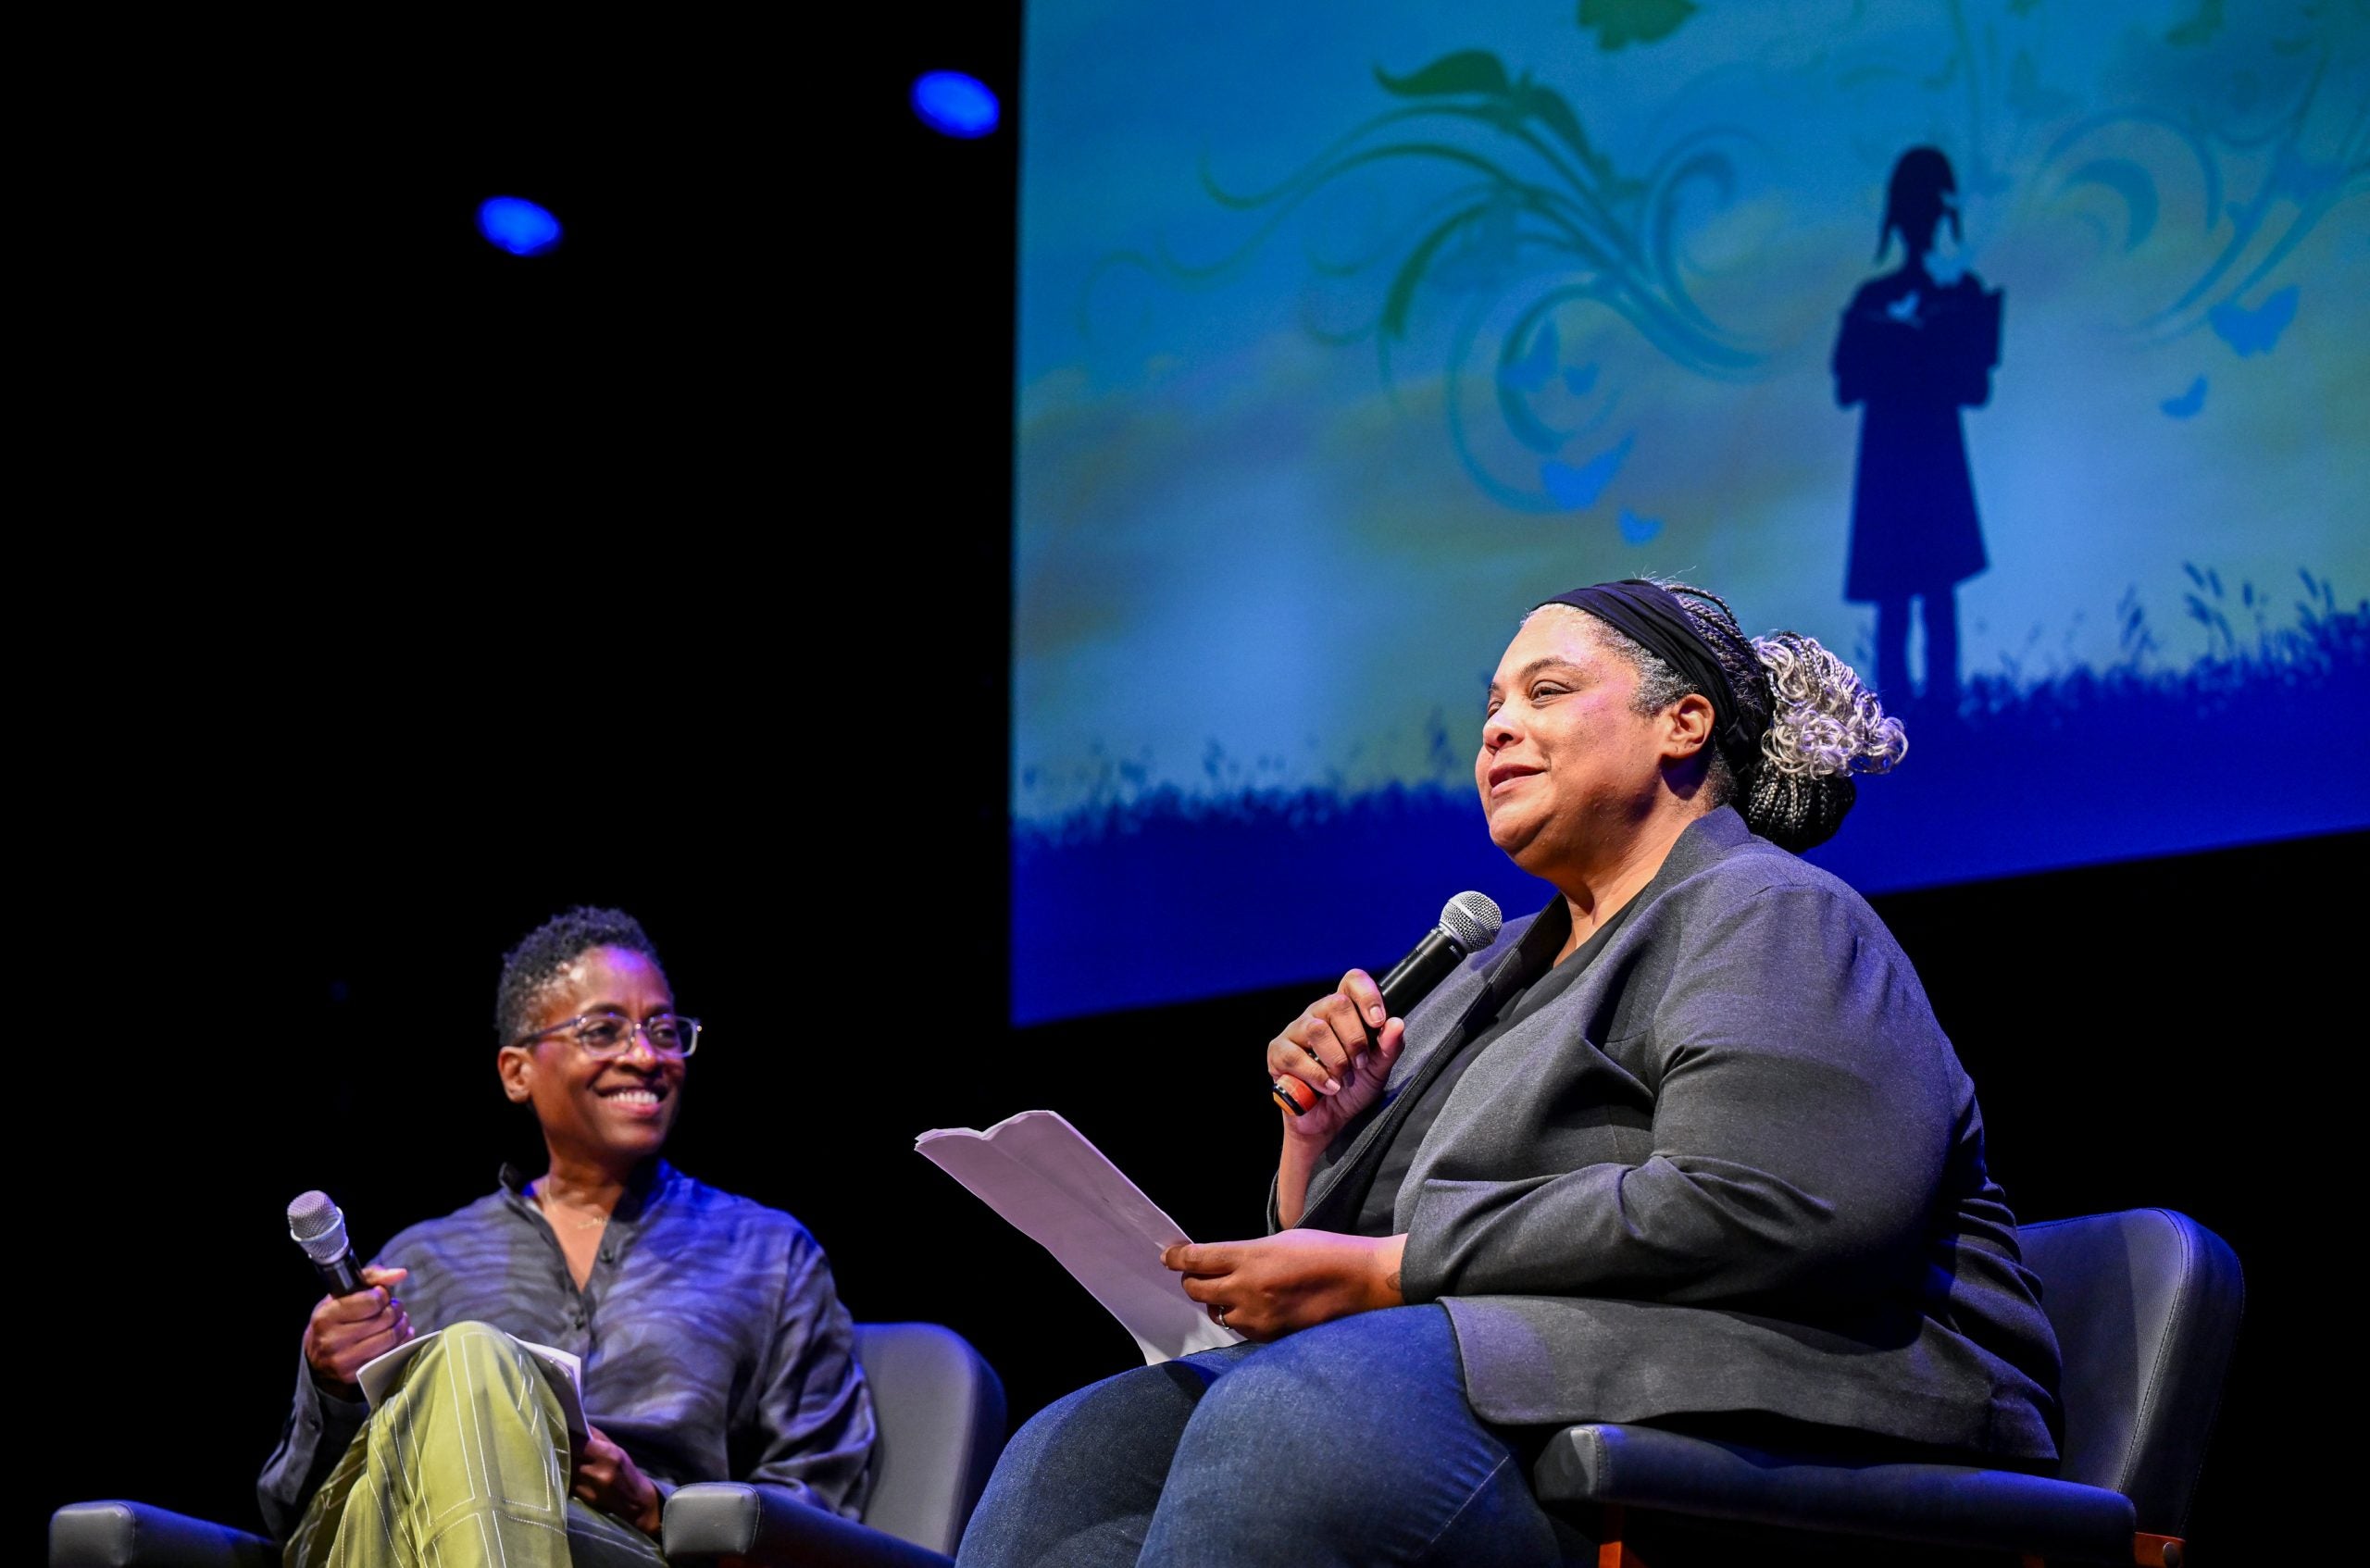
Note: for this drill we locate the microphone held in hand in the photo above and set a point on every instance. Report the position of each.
(315, 1224)
(1468, 923)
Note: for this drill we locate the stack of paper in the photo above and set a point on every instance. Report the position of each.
(1040, 1174)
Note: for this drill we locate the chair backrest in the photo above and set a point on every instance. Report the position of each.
(2146, 1306)
(940, 1412)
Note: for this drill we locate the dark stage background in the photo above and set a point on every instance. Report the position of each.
(669, 575)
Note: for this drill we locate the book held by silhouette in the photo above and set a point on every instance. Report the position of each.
(1040, 1174)
(564, 1372)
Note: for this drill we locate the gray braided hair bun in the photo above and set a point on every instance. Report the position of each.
(1823, 725)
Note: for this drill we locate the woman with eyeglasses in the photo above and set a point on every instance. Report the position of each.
(713, 1345)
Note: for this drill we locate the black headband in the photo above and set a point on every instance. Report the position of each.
(1651, 616)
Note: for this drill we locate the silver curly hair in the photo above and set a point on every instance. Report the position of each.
(1823, 720)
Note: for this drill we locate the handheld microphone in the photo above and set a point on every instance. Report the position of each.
(1470, 922)
(315, 1224)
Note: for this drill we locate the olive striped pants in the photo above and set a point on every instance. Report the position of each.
(464, 1466)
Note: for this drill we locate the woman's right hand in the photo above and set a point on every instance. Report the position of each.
(345, 1331)
(1343, 1039)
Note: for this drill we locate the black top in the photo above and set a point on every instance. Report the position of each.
(1541, 981)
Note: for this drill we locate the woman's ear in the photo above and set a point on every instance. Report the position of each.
(515, 1063)
(1686, 726)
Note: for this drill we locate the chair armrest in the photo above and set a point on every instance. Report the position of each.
(133, 1535)
(1933, 1504)
(767, 1525)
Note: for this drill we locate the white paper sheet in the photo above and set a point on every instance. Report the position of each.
(564, 1372)
(1043, 1175)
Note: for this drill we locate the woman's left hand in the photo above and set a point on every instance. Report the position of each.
(1265, 1289)
(608, 1479)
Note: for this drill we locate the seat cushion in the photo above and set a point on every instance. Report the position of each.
(1937, 1504)
(766, 1524)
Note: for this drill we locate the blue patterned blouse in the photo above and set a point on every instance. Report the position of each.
(715, 1347)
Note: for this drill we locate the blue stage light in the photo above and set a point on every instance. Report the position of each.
(955, 104)
(517, 225)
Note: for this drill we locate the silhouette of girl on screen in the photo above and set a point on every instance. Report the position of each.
(1917, 345)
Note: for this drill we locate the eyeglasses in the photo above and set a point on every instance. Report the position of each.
(605, 1037)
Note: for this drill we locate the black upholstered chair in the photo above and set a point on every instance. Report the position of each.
(2146, 1306)
(940, 1411)
(942, 1418)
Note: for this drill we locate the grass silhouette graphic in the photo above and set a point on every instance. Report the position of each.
(1153, 893)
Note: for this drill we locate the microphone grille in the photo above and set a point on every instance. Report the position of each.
(1473, 920)
(315, 1225)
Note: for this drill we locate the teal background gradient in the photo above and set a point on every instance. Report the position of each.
(1348, 331)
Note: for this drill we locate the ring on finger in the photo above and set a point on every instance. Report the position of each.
(1217, 1314)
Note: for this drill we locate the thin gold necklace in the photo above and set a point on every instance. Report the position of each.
(546, 1201)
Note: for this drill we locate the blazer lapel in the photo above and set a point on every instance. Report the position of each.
(1463, 1117)
(1421, 1062)
(1455, 1011)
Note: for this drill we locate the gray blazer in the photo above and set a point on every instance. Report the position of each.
(1735, 1167)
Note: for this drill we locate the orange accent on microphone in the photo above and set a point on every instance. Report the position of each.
(1288, 1094)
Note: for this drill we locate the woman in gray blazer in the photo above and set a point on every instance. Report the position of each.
(1685, 1147)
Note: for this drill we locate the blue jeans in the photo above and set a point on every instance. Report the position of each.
(1346, 1443)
